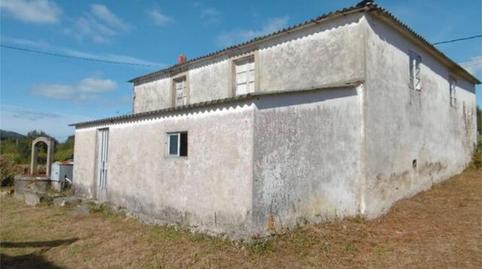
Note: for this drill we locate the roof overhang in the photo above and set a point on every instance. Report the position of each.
(208, 104)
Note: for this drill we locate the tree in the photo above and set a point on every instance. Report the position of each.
(65, 151)
(37, 133)
(18, 150)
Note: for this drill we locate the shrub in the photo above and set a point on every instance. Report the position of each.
(7, 171)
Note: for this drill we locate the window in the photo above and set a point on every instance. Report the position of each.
(415, 78)
(244, 75)
(177, 144)
(452, 87)
(180, 91)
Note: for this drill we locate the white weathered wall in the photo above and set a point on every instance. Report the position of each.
(210, 81)
(153, 95)
(210, 189)
(326, 54)
(403, 125)
(84, 162)
(306, 158)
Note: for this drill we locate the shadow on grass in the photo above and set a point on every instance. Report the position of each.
(33, 260)
(26, 261)
(37, 244)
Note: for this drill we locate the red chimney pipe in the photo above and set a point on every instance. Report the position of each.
(181, 59)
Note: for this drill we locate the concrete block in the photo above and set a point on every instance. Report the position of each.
(31, 198)
(19, 196)
(56, 185)
(39, 185)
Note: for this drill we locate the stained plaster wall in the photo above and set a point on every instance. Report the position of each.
(404, 126)
(325, 54)
(84, 161)
(307, 150)
(209, 190)
(152, 95)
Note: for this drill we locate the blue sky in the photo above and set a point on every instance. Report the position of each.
(48, 93)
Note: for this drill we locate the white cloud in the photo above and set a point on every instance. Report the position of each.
(22, 120)
(105, 15)
(160, 18)
(210, 15)
(76, 53)
(24, 113)
(56, 91)
(473, 66)
(24, 42)
(86, 89)
(32, 11)
(207, 14)
(231, 38)
(94, 85)
(98, 25)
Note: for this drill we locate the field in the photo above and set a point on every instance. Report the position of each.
(440, 228)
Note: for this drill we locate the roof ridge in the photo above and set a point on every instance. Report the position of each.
(364, 5)
(387, 13)
(369, 4)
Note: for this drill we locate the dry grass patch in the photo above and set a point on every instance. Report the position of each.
(440, 228)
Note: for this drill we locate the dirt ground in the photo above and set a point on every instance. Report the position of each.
(440, 228)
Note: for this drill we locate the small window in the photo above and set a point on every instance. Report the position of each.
(177, 144)
(180, 91)
(415, 76)
(452, 89)
(244, 77)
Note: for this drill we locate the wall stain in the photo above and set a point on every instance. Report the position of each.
(429, 168)
(271, 225)
(397, 180)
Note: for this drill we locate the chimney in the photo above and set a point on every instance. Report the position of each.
(181, 59)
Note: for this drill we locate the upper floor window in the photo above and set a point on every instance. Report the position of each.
(452, 88)
(244, 77)
(180, 91)
(177, 144)
(415, 76)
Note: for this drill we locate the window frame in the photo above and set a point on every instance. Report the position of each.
(245, 59)
(179, 143)
(415, 71)
(453, 91)
(175, 80)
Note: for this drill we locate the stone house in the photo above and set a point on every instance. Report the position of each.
(338, 116)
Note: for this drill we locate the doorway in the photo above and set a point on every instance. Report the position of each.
(102, 165)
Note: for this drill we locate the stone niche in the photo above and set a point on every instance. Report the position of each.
(50, 152)
(31, 186)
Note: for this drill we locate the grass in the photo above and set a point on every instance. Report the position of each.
(440, 228)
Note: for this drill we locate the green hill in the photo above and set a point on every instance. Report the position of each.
(10, 135)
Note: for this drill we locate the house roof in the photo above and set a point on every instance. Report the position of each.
(183, 108)
(363, 6)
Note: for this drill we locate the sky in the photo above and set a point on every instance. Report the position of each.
(46, 92)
